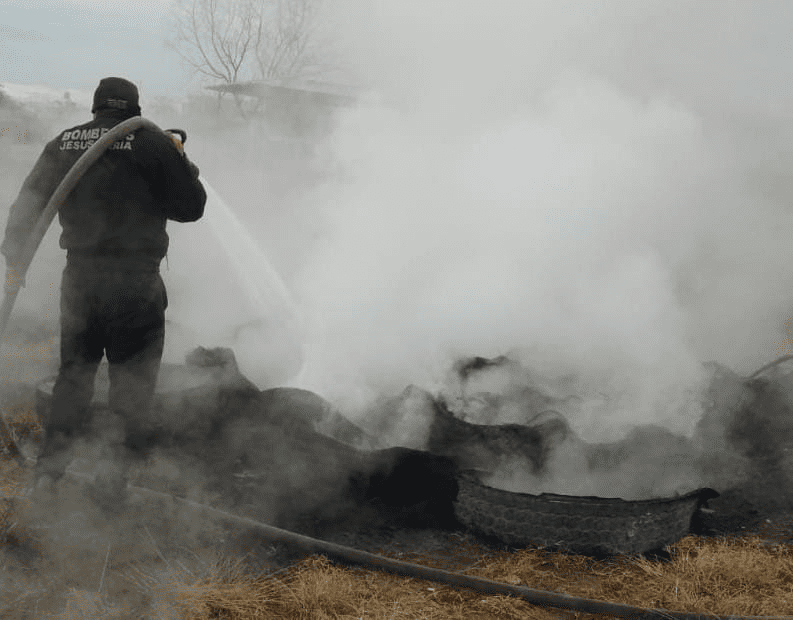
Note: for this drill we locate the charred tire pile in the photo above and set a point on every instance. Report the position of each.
(593, 525)
(246, 437)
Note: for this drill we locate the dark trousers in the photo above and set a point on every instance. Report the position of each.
(114, 311)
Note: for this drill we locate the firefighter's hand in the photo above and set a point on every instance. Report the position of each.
(15, 277)
(177, 140)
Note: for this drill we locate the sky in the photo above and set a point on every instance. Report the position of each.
(74, 43)
(605, 183)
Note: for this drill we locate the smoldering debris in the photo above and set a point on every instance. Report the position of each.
(403, 419)
(270, 442)
(484, 446)
(500, 391)
(746, 435)
(741, 439)
(651, 462)
(283, 457)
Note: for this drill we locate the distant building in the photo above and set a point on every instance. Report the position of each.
(291, 91)
(295, 107)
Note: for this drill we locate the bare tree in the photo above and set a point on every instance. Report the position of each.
(288, 47)
(217, 38)
(237, 40)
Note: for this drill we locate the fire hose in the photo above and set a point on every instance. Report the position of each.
(350, 556)
(33, 241)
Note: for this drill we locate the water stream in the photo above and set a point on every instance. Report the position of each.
(255, 274)
(226, 292)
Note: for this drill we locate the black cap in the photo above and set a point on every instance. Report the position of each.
(115, 93)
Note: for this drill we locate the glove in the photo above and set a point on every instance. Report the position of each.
(15, 277)
(177, 137)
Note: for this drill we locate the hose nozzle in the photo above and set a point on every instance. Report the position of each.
(179, 137)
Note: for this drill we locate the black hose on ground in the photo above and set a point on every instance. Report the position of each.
(33, 241)
(350, 556)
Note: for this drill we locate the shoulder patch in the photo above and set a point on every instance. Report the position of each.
(81, 139)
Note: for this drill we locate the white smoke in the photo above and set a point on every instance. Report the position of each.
(514, 195)
(536, 231)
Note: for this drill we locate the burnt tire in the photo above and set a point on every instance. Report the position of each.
(590, 525)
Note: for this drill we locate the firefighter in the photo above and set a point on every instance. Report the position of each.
(113, 299)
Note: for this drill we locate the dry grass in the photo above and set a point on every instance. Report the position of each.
(22, 422)
(739, 576)
(11, 484)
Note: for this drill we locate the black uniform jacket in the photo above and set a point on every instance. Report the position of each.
(120, 205)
